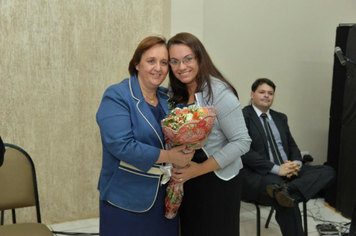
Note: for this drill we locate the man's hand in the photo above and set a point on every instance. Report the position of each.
(289, 169)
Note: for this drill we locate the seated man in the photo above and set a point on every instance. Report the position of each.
(2, 151)
(273, 172)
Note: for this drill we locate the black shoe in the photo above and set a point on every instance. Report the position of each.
(272, 189)
(282, 194)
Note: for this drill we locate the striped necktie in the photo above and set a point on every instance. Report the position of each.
(272, 142)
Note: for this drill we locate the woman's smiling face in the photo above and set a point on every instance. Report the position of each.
(185, 66)
(153, 67)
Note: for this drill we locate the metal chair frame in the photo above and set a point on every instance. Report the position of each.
(258, 217)
(38, 210)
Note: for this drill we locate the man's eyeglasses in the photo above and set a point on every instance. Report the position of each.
(186, 61)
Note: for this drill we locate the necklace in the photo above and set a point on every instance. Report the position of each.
(152, 100)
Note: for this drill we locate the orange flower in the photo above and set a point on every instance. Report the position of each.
(196, 115)
(204, 110)
(185, 111)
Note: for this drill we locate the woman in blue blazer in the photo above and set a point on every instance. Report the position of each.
(131, 193)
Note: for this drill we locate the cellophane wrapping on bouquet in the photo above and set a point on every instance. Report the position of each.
(189, 126)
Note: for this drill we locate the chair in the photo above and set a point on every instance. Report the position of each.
(19, 189)
(258, 216)
(2, 151)
(305, 159)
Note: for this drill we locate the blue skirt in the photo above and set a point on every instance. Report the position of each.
(118, 222)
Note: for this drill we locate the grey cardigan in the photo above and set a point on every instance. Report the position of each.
(229, 138)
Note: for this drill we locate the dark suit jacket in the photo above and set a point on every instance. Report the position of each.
(256, 162)
(2, 151)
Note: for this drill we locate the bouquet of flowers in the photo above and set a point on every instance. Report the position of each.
(189, 126)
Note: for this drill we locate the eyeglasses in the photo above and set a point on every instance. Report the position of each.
(186, 61)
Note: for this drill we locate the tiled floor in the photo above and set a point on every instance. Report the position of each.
(318, 213)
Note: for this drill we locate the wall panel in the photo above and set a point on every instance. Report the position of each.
(56, 59)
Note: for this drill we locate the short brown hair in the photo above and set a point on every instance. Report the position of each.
(261, 81)
(143, 46)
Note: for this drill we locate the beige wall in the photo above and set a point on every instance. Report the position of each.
(56, 59)
(290, 42)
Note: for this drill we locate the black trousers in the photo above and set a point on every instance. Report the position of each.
(310, 180)
(211, 206)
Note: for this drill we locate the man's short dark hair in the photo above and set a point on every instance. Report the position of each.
(261, 81)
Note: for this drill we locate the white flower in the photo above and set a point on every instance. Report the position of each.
(189, 116)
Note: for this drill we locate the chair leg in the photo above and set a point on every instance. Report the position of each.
(2, 217)
(269, 217)
(305, 217)
(13, 216)
(352, 229)
(258, 221)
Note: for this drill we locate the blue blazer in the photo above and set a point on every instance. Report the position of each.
(130, 134)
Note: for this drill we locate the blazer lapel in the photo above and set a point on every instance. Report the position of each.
(257, 122)
(144, 109)
(281, 130)
(163, 100)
